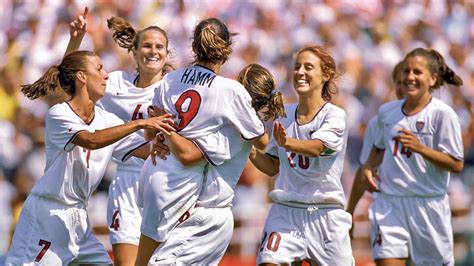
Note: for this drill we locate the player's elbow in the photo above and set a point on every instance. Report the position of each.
(457, 167)
(188, 159)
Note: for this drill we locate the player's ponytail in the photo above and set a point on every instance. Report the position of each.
(44, 85)
(444, 72)
(212, 41)
(63, 76)
(261, 85)
(122, 32)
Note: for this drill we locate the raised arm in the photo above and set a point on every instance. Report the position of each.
(77, 31)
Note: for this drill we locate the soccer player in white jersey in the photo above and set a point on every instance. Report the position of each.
(203, 102)
(128, 95)
(53, 227)
(203, 238)
(307, 220)
(418, 144)
(358, 187)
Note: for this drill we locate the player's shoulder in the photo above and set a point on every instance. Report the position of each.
(439, 105)
(439, 109)
(120, 80)
(59, 109)
(391, 106)
(333, 110)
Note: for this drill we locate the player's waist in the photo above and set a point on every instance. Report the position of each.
(309, 206)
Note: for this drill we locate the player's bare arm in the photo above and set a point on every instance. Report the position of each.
(311, 148)
(105, 137)
(260, 142)
(368, 171)
(440, 159)
(266, 164)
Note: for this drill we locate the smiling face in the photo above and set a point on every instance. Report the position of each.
(307, 73)
(417, 78)
(96, 78)
(151, 52)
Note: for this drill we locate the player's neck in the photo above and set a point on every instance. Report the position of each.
(83, 107)
(143, 80)
(308, 107)
(216, 68)
(413, 106)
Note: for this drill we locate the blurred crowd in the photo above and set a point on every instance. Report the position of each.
(367, 39)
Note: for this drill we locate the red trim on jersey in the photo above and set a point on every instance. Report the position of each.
(129, 154)
(72, 139)
(201, 149)
(87, 123)
(296, 115)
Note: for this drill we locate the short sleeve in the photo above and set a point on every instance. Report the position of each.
(220, 146)
(62, 128)
(332, 130)
(272, 147)
(378, 134)
(157, 99)
(449, 135)
(244, 117)
(369, 138)
(124, 148)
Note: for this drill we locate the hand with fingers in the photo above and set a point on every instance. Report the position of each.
(279, 133)
(159, 148)
(155, 111)
(409, 140)
(369, 177)
(163, 123)
(78, 28)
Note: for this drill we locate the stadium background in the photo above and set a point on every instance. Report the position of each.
(366, 37)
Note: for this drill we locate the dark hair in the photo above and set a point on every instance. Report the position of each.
(437, 66)
(397, 70)
(125, 35)
(328, 67)
(212, 41)
(261, 86)
(63, 75)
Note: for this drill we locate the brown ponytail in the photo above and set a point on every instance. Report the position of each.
(261, 86)
(212, 41)
(63, 76)
(48, 83)
(122, 32)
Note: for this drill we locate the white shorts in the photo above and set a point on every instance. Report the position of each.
(412, 227)
(166, 192)
(51, 233)
(202, 239)
(296, 234)
(124, 217)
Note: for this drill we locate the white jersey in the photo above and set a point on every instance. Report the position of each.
(128, 102)
(204, 102)
(221, 180)
(369, 138)
(406, 173)
(312, 179)
(72, 173)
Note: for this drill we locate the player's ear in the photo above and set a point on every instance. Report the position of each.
(81, 76)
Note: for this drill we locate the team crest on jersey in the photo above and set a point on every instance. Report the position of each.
(419, 125)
